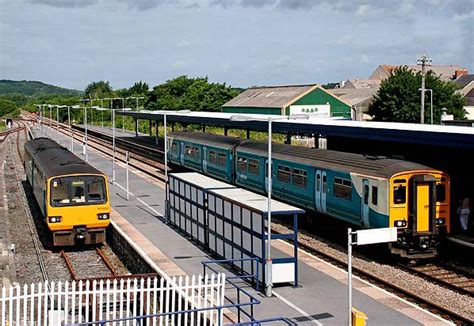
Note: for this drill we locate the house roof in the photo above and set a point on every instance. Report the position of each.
(354, 96)
(464, 80)
(359, 83)
(470, 98)
(270, 96)
(445, 71)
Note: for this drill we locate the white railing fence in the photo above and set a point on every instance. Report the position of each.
(66, 303)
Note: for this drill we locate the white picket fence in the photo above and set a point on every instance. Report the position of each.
(69, 303)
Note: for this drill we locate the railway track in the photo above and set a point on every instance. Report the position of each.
(462, 285)
(31, 226)
(445, 276)
(148, 164)
(88, 264)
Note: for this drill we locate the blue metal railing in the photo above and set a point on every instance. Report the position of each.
(239, 290)
(245, 275)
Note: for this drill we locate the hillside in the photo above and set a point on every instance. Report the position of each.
(32, 88)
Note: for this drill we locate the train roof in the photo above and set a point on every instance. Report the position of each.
(208, 139)
(56, 160)
(348, 162)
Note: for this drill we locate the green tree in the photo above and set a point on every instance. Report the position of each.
(139, 88)
(398, 99)
(184, 93)
(7, 107)
(98, 89)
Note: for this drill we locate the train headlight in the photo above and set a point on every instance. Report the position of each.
(400, 223)
(54, 219)
(103, 216)
(440, 221)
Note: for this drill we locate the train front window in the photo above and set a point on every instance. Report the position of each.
(440, 192)
(59, 193)
(70, 191)
(399, 194)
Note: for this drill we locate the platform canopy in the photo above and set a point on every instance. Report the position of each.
(410, 133)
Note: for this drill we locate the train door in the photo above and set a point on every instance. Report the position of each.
(365, 202)
(181, 152)
(321, 191)
(318, 190)
(423, 205)
(204, 159)
(324, 190)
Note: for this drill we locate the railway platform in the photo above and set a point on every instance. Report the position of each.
(321, 297)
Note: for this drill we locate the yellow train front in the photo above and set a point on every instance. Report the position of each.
(72, 195)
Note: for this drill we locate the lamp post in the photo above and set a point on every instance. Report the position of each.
(57, 120)
(269, 119)
(164, 112)
(423, 61)
(431, 101)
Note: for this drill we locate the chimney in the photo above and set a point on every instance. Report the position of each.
(459, 72)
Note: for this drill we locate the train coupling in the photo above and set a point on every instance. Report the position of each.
(81, 233)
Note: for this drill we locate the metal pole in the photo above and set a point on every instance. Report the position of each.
(57, 123)
(349, 273)
(127, 157)
(269, 213)
(431, 106)
(113, 143)
(49, 122)
(70, 129)
(85, 133)
(123, 117)
(102, 117)
(166, 167)
(422, 115)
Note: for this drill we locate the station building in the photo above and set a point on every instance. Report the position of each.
(309, 99)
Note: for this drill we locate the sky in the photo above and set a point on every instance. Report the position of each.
(71, 43)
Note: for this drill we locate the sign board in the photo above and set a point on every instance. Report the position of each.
(364, 237)
(320, 111)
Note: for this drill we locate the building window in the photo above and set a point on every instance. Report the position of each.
(254, 167)
(242, 165)
(284, 174)
(375, 195)
(300, 178)
(342, 188)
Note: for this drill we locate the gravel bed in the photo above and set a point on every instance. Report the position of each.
(458, 303)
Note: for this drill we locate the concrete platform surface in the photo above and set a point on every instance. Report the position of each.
(321, 298)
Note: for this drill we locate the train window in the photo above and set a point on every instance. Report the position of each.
(212, 157)
(95, 190)
(78, 191)
(188, 150)
(59, 192)
(440, 192)
(318, 182)
(284, 174)
(342, 188)
(366, 194)
(254, 166)
(399, 194)
(375, 194)
(221, 158)
(325, 184)
(85, 190)
(242, 165)
(174, 148)
(300, 178)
